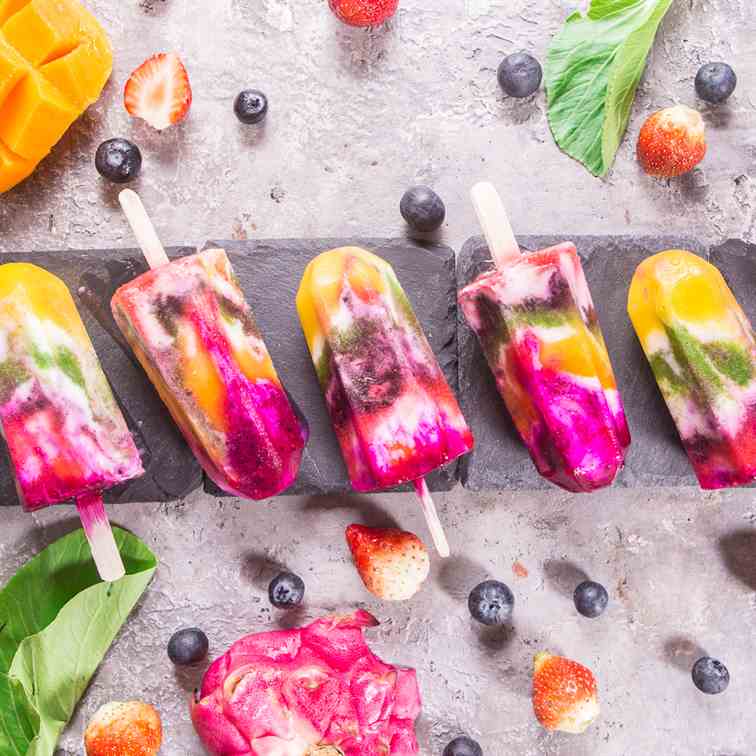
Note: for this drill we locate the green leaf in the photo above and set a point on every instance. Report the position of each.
(57, 621)
(593, 68)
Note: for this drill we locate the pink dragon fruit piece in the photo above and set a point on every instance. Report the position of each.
(314, 691)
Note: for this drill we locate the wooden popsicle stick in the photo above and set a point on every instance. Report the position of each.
(97, 529)
(493, 219)
(431, 517)
(141, 225)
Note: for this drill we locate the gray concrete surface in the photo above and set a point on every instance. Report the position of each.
(355, 117)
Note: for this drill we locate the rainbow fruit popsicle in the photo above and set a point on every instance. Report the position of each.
(65, 433)
(193, 332)
(537, 325)
(702, 351)
(393, 412)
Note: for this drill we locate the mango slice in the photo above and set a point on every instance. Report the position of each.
(55, 59)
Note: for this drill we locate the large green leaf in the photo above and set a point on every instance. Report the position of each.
(57, 621)
(592, 71)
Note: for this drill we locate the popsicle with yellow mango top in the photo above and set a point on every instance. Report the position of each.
(55, 59)
(66, 436)
(194, 334)
(536, 323)
(702, 351)
(393, 412)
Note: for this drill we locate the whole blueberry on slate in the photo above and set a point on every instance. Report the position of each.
(591, 599)
(715, 82)
(710, 676)
(520, 74)
(188, 646)
(286, 590)
(422, 208)
(491, 603)
(463, 746)
(251, 106)
(118, 160)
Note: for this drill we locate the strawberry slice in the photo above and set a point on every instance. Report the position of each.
(392, 563)
(564, 694)
(159, 91)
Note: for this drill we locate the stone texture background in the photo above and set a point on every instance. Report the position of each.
(355, 117)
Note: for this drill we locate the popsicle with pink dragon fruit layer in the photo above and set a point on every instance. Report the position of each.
(66, 436)
(312, 691)
(536, 323)
(193, 332)
(394, 414)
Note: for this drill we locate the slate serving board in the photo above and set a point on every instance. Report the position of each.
(656, 457)
(269, 272)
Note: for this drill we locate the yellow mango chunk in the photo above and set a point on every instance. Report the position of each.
(13, 168)
(44, 30)
(13, 68)
(55, 58)
(79, 75)
(9, 8)
(34, 117)
(579, 354)
(256, 367)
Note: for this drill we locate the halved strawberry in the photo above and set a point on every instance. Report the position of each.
(392, 563)
(363, 12)
(564, 694)
(159, 91)
(672, 142)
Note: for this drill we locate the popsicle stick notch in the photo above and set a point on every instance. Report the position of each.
(97, 529)
(431, 517)
(141, 225)
(494, 221)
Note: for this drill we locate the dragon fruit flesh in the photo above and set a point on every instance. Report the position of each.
(313, 691)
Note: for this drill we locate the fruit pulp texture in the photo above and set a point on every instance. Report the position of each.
(538, 328)
(194, 334)
(65, 433)
(312, 690)
(393, 412)
(54, 61)
(702, 351)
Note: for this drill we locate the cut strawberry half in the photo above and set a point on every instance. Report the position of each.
(159, 91)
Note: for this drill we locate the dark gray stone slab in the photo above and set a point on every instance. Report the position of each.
(92, 277)
(270, 272)
(656, 457)
(737, 262)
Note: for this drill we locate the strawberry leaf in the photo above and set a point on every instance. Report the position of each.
(592, 71)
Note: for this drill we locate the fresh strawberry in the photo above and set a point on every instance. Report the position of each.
(672, 142)
(124, 729)
(564, 694)
(363, 12)
(159, 91)
(392, 563)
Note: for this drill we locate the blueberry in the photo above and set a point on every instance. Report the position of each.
(286, 590)
(520, 74)
(118, 160)
(463, 746)
(422, 208)
(710, 676)
(715, 82)
(188, 646)
(591, 599)
(491, 603)
(251, 106)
